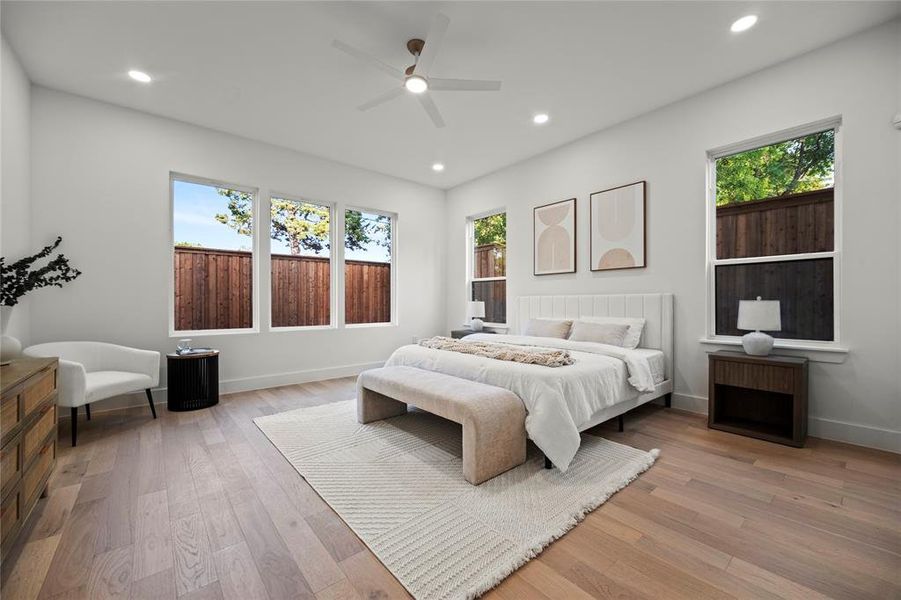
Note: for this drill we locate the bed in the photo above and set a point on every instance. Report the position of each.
(603, 383)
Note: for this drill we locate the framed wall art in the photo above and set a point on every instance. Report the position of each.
(617, 221)
(554, 227)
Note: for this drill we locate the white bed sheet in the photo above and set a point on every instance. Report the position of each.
(559, 400)
(656, 361)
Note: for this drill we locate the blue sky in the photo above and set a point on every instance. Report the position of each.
(196, 206)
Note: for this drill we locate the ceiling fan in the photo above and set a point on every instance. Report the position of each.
(415, 78)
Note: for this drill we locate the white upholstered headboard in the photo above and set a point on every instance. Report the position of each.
(657, 310)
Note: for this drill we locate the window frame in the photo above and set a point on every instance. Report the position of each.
(342, 316)
(834, 345)
(470, 261)
(333, 270)
(254, 254)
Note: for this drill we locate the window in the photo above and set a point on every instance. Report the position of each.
(488, 265)
(368, 267)
(300, 263)
(773, 210)
(213, 241)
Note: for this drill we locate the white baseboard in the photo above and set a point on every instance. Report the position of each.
(695, 404)
(231, 386)
(855, 433)
(827, 429)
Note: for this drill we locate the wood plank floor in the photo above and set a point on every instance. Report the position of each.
(200, 505)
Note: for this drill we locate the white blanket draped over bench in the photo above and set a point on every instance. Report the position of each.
(558, 400)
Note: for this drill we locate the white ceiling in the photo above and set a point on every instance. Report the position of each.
(267, 71)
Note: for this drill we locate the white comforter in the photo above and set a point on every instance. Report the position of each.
(559, 400)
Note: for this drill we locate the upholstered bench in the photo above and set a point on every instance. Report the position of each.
(493, 419)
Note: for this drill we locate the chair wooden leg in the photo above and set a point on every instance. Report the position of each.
(87, 411)
(150, 400)
(74, 413)
(619, 421)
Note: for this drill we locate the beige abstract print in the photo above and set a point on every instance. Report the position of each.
(617, 227)
(555, 238)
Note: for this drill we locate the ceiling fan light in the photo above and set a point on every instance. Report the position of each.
(416, 84)
(744, 23)
(139, 76)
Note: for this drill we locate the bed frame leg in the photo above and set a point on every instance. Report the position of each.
(547, 463)
(619, 422)
(668, 400)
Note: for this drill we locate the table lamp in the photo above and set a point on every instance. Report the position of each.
(754, 316)
(475, 311)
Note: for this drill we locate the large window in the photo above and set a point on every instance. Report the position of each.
(213, 237)
(772, 222)
(368, 273)
(488, 265)
(300, 263)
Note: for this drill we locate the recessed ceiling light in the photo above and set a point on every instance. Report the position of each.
(438, 167)
(416, 84)
(540, 119)
(139, 76)
(744, 23)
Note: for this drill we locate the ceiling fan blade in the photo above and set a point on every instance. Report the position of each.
(381, 99)
(368, 59)
(429, 105)
(432, 44)
(463, 85)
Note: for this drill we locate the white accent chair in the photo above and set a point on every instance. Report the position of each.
(91, 371)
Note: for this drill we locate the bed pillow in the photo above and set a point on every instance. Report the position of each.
(635, 324)
(600, 333)
(548, 328)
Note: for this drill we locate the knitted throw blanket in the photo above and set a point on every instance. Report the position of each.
(533, 356)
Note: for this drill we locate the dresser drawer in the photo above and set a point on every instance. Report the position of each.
(10, 464)
(37, 389)
(10, 516)
(756, 377)
(38, 470)
(9, 412)
(34, 436)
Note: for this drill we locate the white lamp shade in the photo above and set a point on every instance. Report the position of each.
(759, 315)
(475, 310)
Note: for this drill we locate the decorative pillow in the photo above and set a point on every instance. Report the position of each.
(601, 333)
(548, 328)
(635, 324)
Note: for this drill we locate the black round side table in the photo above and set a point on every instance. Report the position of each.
(193, 380)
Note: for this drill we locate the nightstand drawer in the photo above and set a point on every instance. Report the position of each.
(38, 471)
(756, 377)
(10, 516)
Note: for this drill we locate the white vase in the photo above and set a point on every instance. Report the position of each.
(6, 313)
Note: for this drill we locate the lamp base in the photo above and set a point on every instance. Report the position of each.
(757, 344)
(476, 324)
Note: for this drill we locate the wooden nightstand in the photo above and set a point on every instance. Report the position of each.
(759, 396)
(462, 333)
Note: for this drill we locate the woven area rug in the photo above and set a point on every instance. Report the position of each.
(399, 485)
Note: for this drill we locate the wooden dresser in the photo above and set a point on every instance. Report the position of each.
(28, 437)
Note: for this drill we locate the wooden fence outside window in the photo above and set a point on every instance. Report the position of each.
(214, 290)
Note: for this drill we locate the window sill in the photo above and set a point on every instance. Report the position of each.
(825, 352)
(302, 328)
(368, 325)
(211, 332)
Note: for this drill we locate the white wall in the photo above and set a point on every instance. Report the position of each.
(15, 164)
(857, 78)
(101, 180)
